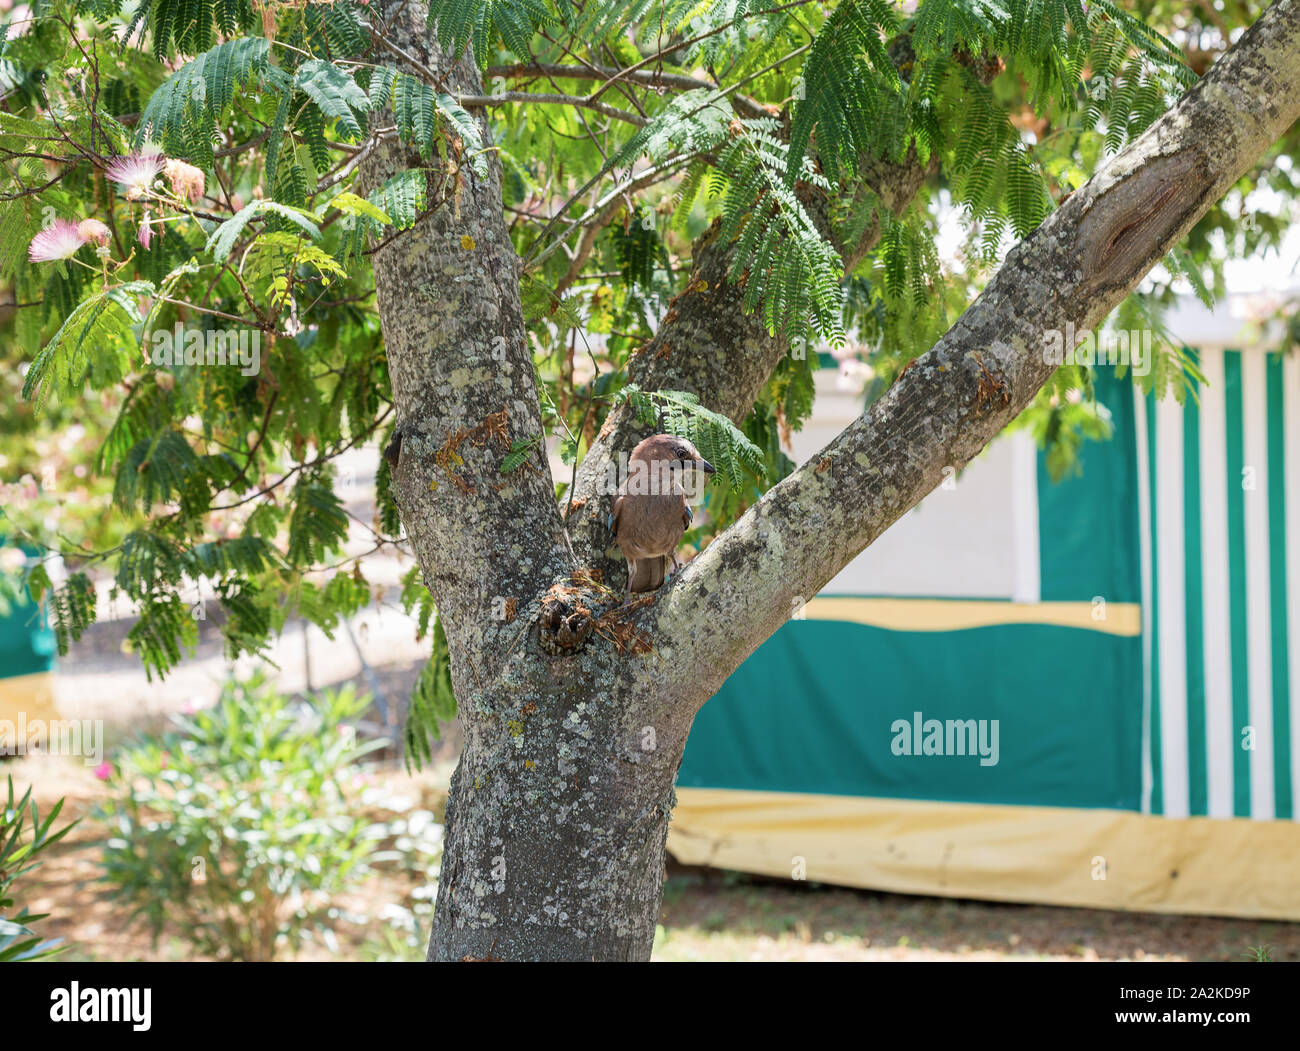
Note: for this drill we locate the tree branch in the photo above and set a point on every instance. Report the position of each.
(1078, 266)
(551, 98)
(463, 386)
(710, 346)
(645, 77)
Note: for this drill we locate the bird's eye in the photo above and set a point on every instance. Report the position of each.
(681, 454)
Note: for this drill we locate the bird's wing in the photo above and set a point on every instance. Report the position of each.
(688, 516)
(612, 522)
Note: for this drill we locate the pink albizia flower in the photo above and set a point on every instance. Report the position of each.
(104, 771)
(59, 240)
(146, 235)
(94, 230)
(187, 181)
(136, 172)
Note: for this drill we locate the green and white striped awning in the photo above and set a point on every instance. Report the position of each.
(1219, 522)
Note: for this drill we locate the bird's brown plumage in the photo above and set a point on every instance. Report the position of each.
(651, 513)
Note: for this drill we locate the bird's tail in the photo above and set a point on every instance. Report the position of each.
(648, 575)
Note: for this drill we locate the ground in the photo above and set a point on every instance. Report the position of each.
(707, 914)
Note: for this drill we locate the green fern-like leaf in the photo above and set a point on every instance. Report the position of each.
(158, 468)
(336, 95)
(484, 22)
(181, 115)
(318, 524)
(719, 440)
(72, 608)
(846, 83)
(223, 238)
(164, 631)
(432, 701)
(402, 198)
(148, 560)
(99, 329)
(790, 272)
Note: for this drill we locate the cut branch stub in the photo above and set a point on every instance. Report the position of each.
(565, 621)
(1132, 222)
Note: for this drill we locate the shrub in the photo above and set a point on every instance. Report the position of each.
(236, 828)
(20, 843)
(412, 850)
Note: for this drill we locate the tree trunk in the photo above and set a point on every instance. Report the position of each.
(558, 816)
(575, 715)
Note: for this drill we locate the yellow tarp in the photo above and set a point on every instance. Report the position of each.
(1047, 855)
(23, 700)
(921, 614)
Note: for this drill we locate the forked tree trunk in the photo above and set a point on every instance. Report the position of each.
(574, 725)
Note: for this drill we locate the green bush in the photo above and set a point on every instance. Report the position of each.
(20, 843)
(235, 830)
(412, 850)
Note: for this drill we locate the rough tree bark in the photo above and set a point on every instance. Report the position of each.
(575, 717)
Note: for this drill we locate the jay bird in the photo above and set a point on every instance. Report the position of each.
(651, 512)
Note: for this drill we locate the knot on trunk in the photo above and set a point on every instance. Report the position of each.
(565, 622)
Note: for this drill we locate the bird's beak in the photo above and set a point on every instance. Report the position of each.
(707, 467)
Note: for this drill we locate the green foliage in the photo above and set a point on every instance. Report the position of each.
(335, 93)
(520, 451)
(788, 268)
(223, 237)
(23, 838)
(188, 24)
(762, 427)
(718, 439)
(101, 323)
(485, 22)
(401, 198)
(937, 98)
(317, 522)
(432, 702)
(182, 115)
(849, 88)
(421, 113)
(71, 605)
(235, 830)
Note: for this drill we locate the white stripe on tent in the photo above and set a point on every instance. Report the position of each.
(1144, 549)
(1171, 601)
(1259, 636)
(1027, 585)
(1219, 738)
(1291, 444)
